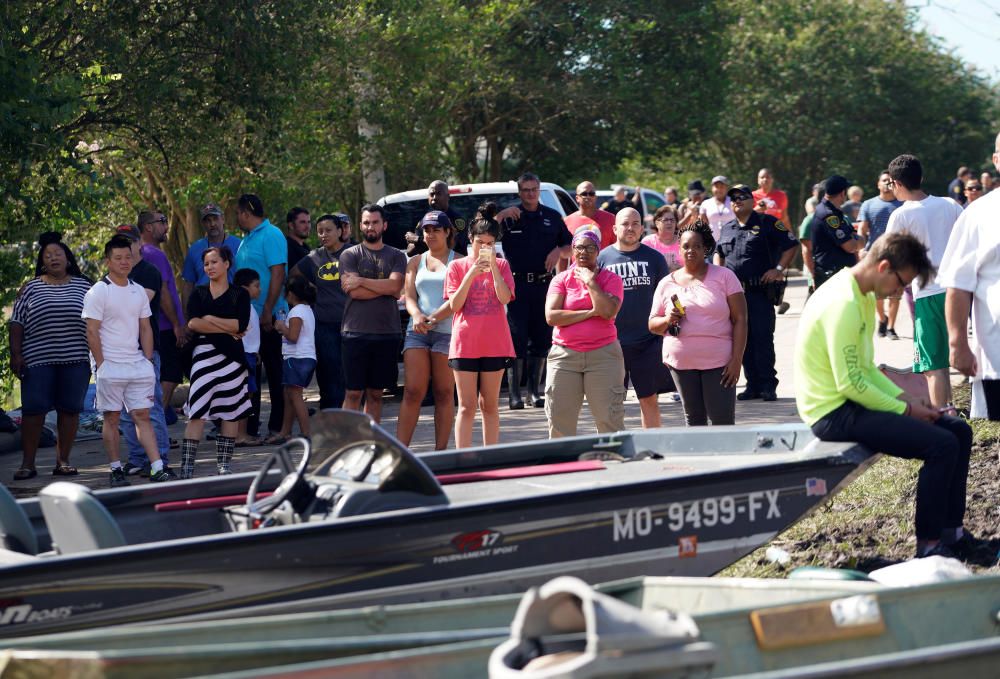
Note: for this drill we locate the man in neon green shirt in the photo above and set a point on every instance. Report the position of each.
(842, 396)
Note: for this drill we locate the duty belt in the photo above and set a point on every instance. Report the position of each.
(534, 276)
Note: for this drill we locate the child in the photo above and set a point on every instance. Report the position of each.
(249, 280)
(298, 349)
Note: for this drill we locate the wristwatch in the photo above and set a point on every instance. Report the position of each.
(780, 268)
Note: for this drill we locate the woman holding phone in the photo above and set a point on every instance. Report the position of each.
(478, 287)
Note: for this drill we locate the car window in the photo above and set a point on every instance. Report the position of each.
(404, 215)
(569, 205)
(653, 201)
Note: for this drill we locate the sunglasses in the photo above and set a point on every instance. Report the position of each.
(591, 194)
(973, 188)
(739, 198)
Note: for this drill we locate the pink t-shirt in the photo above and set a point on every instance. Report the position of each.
(706, 339)
(605, 222)
(671, 253)
(479, 329)
(595, 332)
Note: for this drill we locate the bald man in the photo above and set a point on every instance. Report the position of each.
(641, 268)
(589, 213)
(437, 199)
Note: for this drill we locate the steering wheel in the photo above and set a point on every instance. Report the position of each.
(293, 481)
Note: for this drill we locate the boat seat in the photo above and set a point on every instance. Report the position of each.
(16, 533)
(77, 520)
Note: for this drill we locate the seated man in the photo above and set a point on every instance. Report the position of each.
(844, 397)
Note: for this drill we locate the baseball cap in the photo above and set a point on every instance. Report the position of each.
(739, 189)
(720, 179)
(696, 187)
(436, 218)
(211, 209)
(836, 184)
(130, 231)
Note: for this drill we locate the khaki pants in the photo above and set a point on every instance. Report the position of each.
(599, 375)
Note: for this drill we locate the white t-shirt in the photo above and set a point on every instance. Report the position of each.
(717, 214)
(251, 340)
(972, 263)
(305, 347)
(119, 308)
(931, 221)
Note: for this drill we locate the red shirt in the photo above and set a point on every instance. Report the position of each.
(777, 203)
(604, 220)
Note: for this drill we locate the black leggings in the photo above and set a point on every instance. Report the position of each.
(704, 397)
(944, 447)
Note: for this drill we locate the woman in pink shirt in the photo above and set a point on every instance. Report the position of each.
(478, 287)
(664, 240)
(703, 346)
(585, 358)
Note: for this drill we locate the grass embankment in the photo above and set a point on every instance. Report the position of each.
(870, 523)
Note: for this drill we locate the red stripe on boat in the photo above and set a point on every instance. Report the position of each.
(443, 479)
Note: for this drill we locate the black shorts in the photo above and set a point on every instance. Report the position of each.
(644, 366)
(370, 362)
(170, 358)
(486, 364)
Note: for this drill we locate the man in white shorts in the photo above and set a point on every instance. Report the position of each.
(121, 346)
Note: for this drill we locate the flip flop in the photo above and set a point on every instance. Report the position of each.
(64, 470)
(275, 440)
(248, 443)
(23, 474)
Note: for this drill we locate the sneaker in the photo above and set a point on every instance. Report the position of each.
(132, 469)
(747, 395)
(118, 478)
(968, 546)
(783, 307)
(940, 549)
(165, 474)
(882, 327)
(224, 470)
(891, 334)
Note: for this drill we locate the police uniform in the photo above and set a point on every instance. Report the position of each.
(527, 241)
(749, 251)
(830, 229)
(460, 244)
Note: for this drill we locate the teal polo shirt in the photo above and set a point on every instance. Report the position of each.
(261, 249)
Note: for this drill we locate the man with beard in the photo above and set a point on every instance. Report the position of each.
(438, 199)
(640, 268)
(371, 274)
(299, 226)
(213, 222)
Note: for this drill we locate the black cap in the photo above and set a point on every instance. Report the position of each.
(836, 184)
(739, 189)
(696, 185)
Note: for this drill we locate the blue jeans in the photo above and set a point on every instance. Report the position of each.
(329, 370)
(136, 454)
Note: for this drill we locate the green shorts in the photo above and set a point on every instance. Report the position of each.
(930, 334)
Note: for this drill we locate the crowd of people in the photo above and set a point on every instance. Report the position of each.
(577, 308)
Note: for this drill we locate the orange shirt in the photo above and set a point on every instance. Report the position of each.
(777, 204)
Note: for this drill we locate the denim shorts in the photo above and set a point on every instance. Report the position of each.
(298, 372)
(59, 386)
(438, 342)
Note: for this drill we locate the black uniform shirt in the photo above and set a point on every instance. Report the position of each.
(528, 240)
(755, 247)
(830, 229)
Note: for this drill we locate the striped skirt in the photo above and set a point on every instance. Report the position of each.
(218, 387)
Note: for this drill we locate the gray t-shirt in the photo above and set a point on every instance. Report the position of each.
(640, 271)
(322, 268)
(378, 316)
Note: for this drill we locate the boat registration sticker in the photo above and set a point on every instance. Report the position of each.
(687, 546)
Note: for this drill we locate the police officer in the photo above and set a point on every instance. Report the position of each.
(834, 241)
(438, 198)
(758, 248)
(534, 239)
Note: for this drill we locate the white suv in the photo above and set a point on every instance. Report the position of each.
(404, 210)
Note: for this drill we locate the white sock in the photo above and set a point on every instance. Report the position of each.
(156, 467)
(117, 464)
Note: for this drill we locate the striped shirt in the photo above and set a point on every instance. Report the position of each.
(54, 331)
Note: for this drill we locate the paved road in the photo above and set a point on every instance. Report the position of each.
(527, 424)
